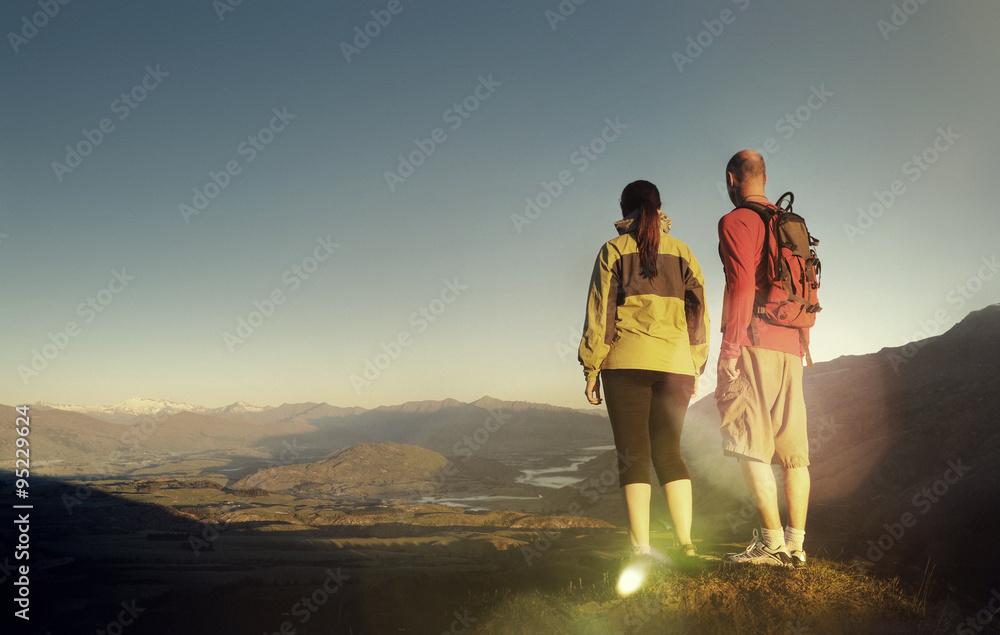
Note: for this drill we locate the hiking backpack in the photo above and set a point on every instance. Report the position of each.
(793, 270)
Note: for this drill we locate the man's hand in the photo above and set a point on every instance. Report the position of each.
(593, 391)
(728, 370)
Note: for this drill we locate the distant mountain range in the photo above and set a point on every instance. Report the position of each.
(139, 408)
(82, 441)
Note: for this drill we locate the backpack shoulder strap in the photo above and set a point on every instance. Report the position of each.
(764, 211)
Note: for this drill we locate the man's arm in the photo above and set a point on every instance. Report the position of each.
(741, 238)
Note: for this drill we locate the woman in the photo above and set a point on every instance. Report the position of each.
(646, 336)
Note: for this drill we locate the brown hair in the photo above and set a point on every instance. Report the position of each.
(644, 196)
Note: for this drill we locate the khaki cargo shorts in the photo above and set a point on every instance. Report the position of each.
(763, 411)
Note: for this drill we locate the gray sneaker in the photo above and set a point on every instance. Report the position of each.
(759, 553)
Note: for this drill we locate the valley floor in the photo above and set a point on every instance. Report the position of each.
(119, 563)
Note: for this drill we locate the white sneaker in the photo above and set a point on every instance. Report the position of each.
(759, 553)
(798, 558)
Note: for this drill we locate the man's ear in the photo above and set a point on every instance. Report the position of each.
(731, 180)
(765, 179)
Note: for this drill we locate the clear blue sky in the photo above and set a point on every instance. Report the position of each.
(499, 97)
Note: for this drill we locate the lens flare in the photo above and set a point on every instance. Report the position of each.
(631, 579)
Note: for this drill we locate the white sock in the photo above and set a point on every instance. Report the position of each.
(774, 539)
(794, 538)
(640, 550)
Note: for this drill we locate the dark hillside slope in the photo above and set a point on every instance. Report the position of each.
(905, 451)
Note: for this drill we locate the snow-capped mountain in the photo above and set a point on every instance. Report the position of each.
(137, 409)
(127, 411)
(240, 408)
(134, 410)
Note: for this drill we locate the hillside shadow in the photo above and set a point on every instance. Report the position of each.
(904, 457)
(94, 556)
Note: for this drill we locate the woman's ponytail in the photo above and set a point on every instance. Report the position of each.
(644, 196)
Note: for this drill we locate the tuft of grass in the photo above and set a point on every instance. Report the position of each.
(827, 597)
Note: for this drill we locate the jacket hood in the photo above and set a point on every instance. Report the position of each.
(631, 223)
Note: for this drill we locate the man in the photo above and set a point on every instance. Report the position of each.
(760, 378)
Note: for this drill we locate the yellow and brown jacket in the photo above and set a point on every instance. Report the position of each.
(658, 323)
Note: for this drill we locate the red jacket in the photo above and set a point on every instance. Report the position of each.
(741, 247)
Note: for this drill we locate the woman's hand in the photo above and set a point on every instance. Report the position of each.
(593, 391)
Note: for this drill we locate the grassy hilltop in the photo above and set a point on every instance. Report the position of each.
(826, 598)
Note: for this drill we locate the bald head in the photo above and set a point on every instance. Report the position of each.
(746, 165)
(745, 176)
